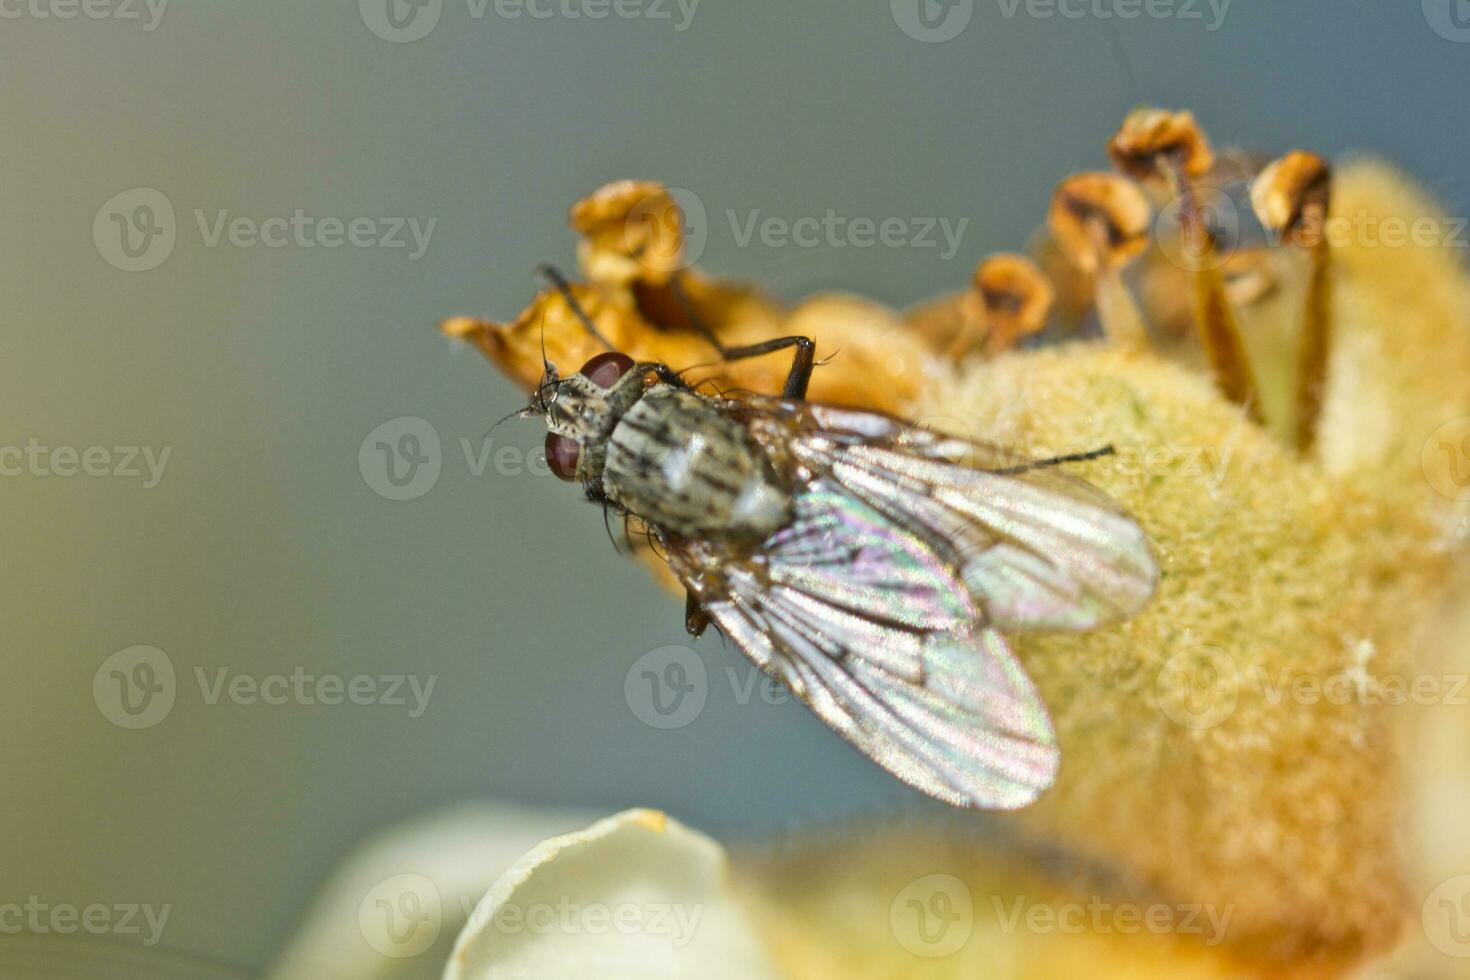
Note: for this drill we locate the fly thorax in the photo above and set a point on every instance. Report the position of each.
(680, 463)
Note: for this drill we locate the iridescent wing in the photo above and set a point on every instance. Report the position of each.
(1037, 548)
(867, 623)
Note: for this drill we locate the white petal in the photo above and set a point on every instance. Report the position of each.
(392, 911)
(633, 897)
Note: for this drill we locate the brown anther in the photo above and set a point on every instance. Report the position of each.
(1155, 143)
(1009, 297)
(1292, 198)
(1170, 147)
(1099, 220)
(1016, 298)
(631, 230)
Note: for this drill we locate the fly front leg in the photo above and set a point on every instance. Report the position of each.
(695, 619)
(802, 365)
(797, 380)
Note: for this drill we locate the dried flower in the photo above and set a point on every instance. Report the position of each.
(1241, 744)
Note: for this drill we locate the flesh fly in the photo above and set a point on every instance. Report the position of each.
(869, 565)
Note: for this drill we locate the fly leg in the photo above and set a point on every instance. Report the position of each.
(560, 282)
(1039, 464)
(797, 379)
(695, 620)
(802, 365)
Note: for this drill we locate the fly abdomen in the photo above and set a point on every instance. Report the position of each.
(675, 460)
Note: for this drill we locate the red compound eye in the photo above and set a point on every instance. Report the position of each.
(605, 369)
(561, 456)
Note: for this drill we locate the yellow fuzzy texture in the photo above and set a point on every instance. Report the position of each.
(1193, 769)
(1287, 810)
(852, 907)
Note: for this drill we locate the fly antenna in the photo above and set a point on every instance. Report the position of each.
(520, 413)
(548, 370)
(562, 286)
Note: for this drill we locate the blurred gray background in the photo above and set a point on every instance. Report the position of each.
(264, 549)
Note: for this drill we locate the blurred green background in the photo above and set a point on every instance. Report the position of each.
(264, 550)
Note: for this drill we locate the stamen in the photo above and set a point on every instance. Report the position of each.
(1170, 148)
(1101, 223)
(1292, 198)
(1009, 298)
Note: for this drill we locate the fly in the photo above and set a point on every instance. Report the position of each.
(869, 565)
